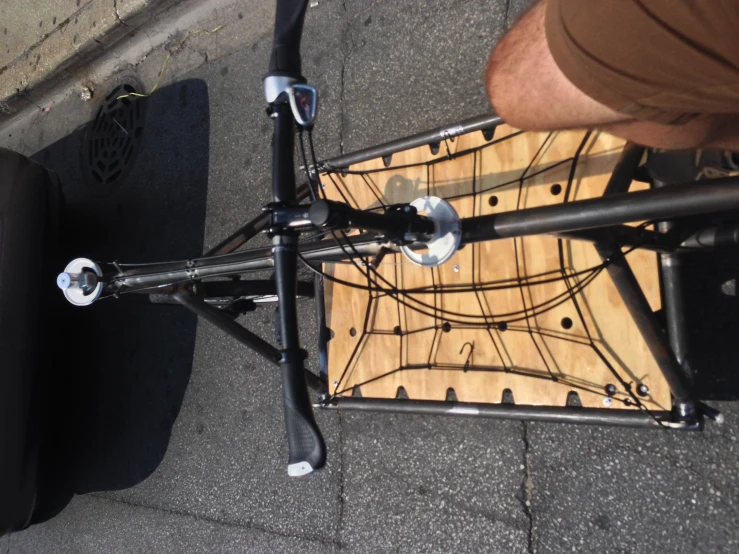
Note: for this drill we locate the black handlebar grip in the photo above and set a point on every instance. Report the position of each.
(285, 59)
(304, 440)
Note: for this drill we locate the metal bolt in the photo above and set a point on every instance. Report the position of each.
(607, 401)
(455, 267)
(323, 185)
(86, 94)
(642, 390)
(336, 384)
(611, 389)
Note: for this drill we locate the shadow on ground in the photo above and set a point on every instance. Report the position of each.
(120, 368)
(709, 280)
(712, 306)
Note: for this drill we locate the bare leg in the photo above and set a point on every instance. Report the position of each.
(527, 88)
(529, 91)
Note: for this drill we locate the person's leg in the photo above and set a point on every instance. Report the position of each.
(529, 91)
(527, 88)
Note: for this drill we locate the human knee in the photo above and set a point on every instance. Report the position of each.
(505, 81)
(521, 76)
(528, 89)
(504, 86)
(500, 84)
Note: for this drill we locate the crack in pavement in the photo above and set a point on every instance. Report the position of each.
(445, 498)
(125, 24)
(117, 13)
(347, 46)
(341, 480)
(527, 486)
(224, 522)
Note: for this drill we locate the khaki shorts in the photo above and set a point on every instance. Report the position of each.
(659, 60)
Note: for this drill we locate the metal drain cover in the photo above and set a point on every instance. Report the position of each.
(112, 140)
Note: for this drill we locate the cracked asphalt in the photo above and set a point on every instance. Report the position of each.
(177, 441)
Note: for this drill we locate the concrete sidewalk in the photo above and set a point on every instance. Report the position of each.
(42, 43)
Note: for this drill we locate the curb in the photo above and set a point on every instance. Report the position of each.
(67, 50)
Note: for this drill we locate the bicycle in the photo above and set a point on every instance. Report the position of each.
(428, 232)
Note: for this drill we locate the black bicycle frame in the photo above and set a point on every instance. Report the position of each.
(600, 220)
(603, 221)
(595, 220)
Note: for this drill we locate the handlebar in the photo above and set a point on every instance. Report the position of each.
(307, 450)
(285, 59)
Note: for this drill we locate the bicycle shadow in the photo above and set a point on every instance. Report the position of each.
(120, 369)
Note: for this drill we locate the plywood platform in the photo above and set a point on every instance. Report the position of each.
(531, 317)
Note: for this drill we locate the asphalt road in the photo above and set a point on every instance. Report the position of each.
(182, 449)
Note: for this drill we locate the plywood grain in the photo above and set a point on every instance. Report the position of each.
(493, 336)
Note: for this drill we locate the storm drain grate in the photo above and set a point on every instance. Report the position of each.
(113, 138)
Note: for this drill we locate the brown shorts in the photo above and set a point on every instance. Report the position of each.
(659, 60)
